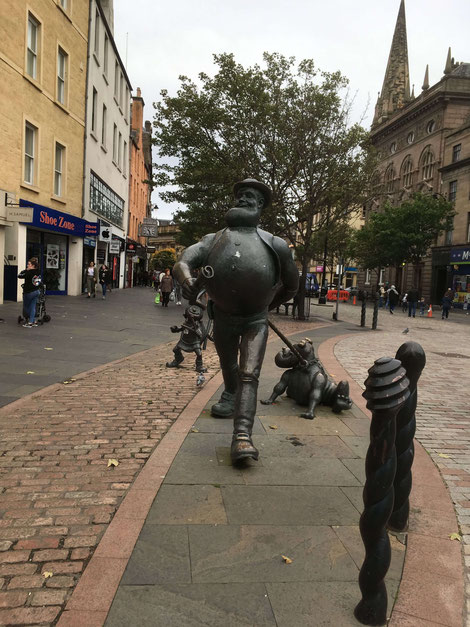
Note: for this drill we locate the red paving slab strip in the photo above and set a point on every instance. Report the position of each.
(432, 583)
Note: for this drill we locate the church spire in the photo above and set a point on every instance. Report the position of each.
(396, 85)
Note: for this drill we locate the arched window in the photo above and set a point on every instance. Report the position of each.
(407, 172)
(389, 179)
(427, 164)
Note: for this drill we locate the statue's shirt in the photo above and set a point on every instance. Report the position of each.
(244, 280)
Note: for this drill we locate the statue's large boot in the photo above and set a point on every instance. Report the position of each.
(242, 445)
(225, 407)
(341, 398)
(177, 360)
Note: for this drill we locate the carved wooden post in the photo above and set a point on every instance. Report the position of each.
(413, 359)
(386, 391)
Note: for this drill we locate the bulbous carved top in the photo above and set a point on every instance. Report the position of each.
(387, 385)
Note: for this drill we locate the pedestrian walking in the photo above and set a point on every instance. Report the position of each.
(404, 303)
(178, 295)
(392, 298)
(103, 275)
(422, 306)
(447, 303)
(91, 274)
(166, 287)
(109, 279)
(381, 291)
(32, 280)
(412, 299)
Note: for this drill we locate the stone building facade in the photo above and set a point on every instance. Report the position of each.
(140, 189)
(43, 58)
(414, 139)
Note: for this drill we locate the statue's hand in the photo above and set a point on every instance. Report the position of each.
(307, 415)
(189, 291)
(174, 329)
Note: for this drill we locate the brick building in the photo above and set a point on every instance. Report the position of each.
(140, 189)
(416, 139)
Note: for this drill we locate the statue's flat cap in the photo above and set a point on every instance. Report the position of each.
(264, 189)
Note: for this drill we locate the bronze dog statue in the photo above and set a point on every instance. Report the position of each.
(307, 383)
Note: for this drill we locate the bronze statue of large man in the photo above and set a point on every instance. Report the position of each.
(248, 271)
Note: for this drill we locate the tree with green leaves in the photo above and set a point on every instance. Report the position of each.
(165, 258)
(402, 233)
(285, 124)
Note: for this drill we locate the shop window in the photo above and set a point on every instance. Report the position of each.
(456, 152)
(30, 150)
(427, 165)
(62, 63)
(104, 120)
(94, 106)
(452, 191)
(105, 54)
(32, 50)
(59, 169)
(96, 48)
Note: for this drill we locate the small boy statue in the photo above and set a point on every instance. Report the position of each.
(192, 336)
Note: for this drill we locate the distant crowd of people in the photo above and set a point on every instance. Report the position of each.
(411, 301)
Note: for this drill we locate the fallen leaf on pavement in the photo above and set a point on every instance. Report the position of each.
(68, 381)
(112, 462)
(46, 574)
(149, 402)
(47, 348)
(30, 372)
(273, 426)
(455, 536)
(444, 455)
(194, 430)
(286, 559)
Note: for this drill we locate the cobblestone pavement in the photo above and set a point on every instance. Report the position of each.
(58, 493)
(443, 417)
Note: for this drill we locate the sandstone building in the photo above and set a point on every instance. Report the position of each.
(423, 144)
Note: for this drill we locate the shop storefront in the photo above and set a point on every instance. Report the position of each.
(50, 236)
(136, 262)
(460, 263)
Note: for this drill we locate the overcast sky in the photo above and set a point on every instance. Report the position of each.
(168, 38)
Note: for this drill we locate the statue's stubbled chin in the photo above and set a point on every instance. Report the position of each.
(242, 216)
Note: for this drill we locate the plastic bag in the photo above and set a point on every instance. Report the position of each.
(157, 298)
(172, 296)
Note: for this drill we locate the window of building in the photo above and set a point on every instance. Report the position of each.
(63, 4)
(59, 164)
(393, 147)
(97, 34)
(105, 54)
(452, 191)
(94, 109)
(30, 150)
(121, 81)
(104, 119)
(407, 172)
(105, 202)
(125, 164)
(389, 179)
(115, 143)
(119, 150)
(428, 165)
(430, 126)
(456, 152)
(367, 277)
(62, 62)
(32, 50)
(126, 103)
(116, 80)
(410, 137)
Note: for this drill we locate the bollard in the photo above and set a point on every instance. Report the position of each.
(375, 315)
(363, 313)
(413, 359)
(386, 391)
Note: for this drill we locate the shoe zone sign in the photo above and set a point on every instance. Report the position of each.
(52, 220)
